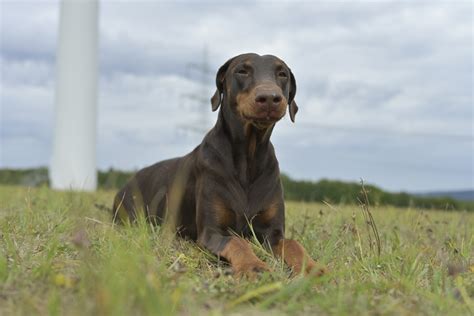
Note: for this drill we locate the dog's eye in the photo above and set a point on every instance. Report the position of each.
(243, 72)
(282, 74)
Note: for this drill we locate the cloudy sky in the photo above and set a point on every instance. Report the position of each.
(384, 88)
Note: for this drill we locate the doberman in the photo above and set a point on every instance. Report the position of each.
(232, 179)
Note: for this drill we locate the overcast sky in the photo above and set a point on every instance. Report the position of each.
(384, 89)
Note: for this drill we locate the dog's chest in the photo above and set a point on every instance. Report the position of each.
(247, 200)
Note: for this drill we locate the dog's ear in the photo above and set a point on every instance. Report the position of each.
(220, 77)
(292, 107)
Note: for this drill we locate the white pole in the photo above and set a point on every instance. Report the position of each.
(73, 163)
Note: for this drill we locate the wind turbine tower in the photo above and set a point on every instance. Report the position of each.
(73, 163)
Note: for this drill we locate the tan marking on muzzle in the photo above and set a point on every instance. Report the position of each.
(246, 106)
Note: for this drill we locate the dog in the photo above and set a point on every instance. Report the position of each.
(229, 186)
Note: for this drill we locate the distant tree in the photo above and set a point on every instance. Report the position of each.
(334, 192)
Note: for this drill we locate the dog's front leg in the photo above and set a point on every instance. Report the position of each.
(296, 257)
(237, 251)
(269, 226)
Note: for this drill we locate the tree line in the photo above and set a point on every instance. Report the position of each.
(329, 191)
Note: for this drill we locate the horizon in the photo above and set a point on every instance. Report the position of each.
(283, 173)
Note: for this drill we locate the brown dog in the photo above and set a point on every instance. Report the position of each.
(232, 178)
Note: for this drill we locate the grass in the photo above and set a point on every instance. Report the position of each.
(60, 254)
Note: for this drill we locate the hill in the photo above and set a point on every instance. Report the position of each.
(467, 195)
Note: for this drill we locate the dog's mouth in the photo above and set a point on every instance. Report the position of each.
(264, 119)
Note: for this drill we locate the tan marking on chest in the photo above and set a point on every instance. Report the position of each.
(224, 216)
(268, 214)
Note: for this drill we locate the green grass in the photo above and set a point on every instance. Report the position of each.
(60, 254)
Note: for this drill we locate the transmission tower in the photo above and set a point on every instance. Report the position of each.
(200, 98)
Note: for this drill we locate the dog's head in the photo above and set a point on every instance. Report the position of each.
(257, 89)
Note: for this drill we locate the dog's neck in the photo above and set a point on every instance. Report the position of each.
(245, 137)
(248, 143)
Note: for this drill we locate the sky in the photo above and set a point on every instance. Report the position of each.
(385, 89)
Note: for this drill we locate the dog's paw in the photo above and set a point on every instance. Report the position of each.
(250, 268)
(311, 268)
(315, 269)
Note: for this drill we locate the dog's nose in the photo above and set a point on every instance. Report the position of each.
(268, 99)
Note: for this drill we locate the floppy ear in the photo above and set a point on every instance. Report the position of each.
(292, 107)
(220, 77)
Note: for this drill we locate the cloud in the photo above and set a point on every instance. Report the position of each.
(28, 30)
(384, 89)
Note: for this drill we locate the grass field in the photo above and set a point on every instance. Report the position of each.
(60, 254)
